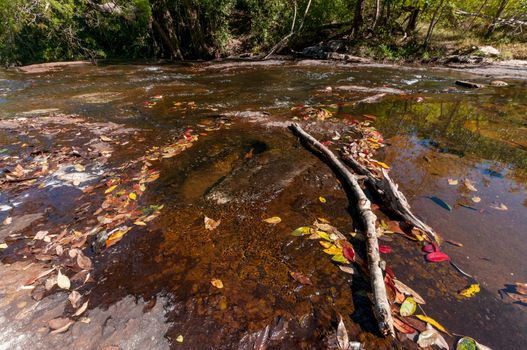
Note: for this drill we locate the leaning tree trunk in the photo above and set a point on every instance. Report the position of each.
(433, 22)
(377, 14)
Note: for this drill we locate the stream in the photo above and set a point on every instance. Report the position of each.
(246, 166)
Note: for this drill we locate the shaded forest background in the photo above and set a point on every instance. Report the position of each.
(58, 30)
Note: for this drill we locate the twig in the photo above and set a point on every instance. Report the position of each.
(381, 305)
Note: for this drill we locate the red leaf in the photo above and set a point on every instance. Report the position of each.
(389, 272)
(301, 278)
(385, 249)
(402, 326)
(349, 253)
(430, 248)
(437, 257)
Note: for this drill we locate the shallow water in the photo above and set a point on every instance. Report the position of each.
(435, 130)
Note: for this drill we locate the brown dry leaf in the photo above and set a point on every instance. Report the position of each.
(74, 298)
(79, 167)
(476, 199)
(8, 221)
(301, 278)
(217, 283)
(342, 335)
(81, 310)
(39, 276)
(394, 226)
(63, 329)
(105, 138)
(452, 182)
(83, 261)
(470, 185)
(403, 288)
(501, 206)
(211, 224)
(273, 220)
(347, 269)
(63, 281)
(521, 288)
(456, 243)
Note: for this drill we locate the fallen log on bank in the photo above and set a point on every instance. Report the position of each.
(389, 192)
(382, 308)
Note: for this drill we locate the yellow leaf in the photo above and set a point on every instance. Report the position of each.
(333, 250)
(381, 164)
(132, 196)
(110, 189)
(142, 187)
(217, 283)
(325, 244)
(116, 237)
(452, 182)
(476, 199)
(470, 291)
(3, 245)
(273, 220)
(324, 235)
(139, 223)
(432, 322)
(325, 221)
(179, 339)
(322, 199)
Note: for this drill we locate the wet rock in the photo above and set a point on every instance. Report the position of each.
(488, 51)
(498, 83)
(469, 84)
(20, 223)
(345, 57)
(314, 52)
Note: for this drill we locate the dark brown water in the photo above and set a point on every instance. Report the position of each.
(435, 131)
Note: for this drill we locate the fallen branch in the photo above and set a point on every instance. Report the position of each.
(394, 199)
(382, 309)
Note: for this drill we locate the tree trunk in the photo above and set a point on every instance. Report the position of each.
(477, 15)
(412, 21)
(499, 11)
(433, 22)
(377, 14)
(358, 18)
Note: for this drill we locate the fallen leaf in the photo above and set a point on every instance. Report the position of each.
(179, 339)
(3, 246)
(325, 221)
(81, 310)
(83, 261)
(408, 307)
(432, 322)
(441, 203)
(403, 288)
(394, 226)
(431, 337)
(453, 182)
(501, 206)
(110, 189)
(63, 281)
(40, 235)
(273, 220)
(381, 164)
(63, 329)
(470, 185)
(349, 253)
(139, 223)
(132, 196)
(299, 277)
(521, 288)
(325, 244)
(472, 290)
(211, 224)
(466, 343)
(333, 250)
(385, 249)
(116, 236)
(340, 258)
(402, 326)
(430, 248)
(301, 231)
(347, 269)
(79, 167)
(74, 298)
(217, 283)
(105, 138)
(322, 199)
(476, 199)
(8, 221)
(342, 335)
(437, 257)
(454, 243)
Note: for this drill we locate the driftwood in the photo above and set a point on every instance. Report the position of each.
(382, 309)
(391, 196)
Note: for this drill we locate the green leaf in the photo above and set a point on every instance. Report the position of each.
(340, 258)
(301, 231)
(466, 343)
(408, 307)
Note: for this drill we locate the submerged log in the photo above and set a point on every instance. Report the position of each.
(382, 309)
(469, 84)
(389, 192)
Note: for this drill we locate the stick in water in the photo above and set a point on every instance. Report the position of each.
(381, 305)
